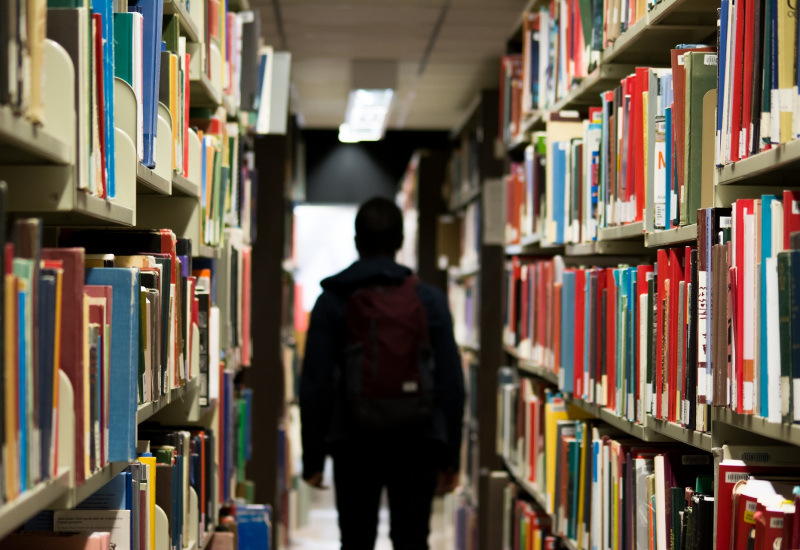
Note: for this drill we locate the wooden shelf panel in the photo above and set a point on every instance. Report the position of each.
(629, 231)
(184, 187)
(188, 27)
(696, 439)
(670, 237)
(150, 183)
(787, 433)
(23, 143)
(147, 410)
(16, 512)
(777, 167)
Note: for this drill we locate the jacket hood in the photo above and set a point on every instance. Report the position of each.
(364, 272)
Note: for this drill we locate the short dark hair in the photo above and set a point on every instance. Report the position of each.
(379, 228)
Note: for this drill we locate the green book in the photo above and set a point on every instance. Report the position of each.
(65, 4)
(241, 447)
(677, 505)
(585, 7)
(701, 77)
(170, 33)
(785, 327)
(123, 47)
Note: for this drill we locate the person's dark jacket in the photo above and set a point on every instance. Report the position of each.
(322, 407)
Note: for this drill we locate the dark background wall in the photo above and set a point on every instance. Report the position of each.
(350, 173)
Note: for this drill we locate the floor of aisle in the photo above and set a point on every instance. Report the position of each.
(322, 530)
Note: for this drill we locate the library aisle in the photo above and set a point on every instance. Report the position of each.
(322, 531)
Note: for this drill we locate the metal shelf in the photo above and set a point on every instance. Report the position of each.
(605, 248)
(678, 433)
(787, 433)
(628, 231)
(670, 237)
(93, 483)
(147, 410)
(148, 182)
(184, 187)
(188, 27)
(623, 424)
(202, 93)
(777, 167)
(23, 143)
(16, 512)
(538, 371)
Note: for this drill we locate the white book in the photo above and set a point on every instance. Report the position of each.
(213, 354)
(773, 342)
(116, 522)
(661, 505)
(748, 336)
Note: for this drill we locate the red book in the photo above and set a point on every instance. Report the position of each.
(737, 62)
(580, 318)
(557, 327)
(747, 70)
(523, 302)
(611, 338)
(676, 277)
(791, 215)
(642, 86)
(97, 33)
(662, 281)
(186, 87)
(71, 352)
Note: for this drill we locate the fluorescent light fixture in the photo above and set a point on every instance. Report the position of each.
(366, 115)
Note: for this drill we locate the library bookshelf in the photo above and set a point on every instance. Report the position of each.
(81, 163)
(593, 265)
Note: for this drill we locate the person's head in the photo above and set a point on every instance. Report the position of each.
(379, 228)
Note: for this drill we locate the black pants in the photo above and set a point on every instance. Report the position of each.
(407, 468)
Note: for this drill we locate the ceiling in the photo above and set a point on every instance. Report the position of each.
(324, 36)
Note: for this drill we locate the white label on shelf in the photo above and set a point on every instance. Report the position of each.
(795, 207)
(734, 477)
(776, 523)
(710, 59)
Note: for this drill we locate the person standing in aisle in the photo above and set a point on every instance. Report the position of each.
(382, 389)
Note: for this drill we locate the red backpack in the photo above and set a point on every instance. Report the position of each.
(388, 359)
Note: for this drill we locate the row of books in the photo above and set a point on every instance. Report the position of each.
(464, 169)
(561, 44)
(758, 77)
(471, 236)
(65, 315)
(526, 525)
(182, 472)
(600, 487)
(638, 157)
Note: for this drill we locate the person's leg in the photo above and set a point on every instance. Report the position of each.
(358, 487)
(411, 482)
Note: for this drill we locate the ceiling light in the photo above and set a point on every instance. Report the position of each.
(366, 115)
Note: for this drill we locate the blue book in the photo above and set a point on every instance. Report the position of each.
(124, 368)
(46, 344)
(723, 56)
(23, 385)
(117, 494)
(253, 527)
(247, 394)
(559, 177)
(794, 293)
(668, 159)
(568, 331)
(766, 252)
(152, 11)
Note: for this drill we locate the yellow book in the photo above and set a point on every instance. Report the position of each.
(10, 460)
(553, 412)
(173, 106)
(787, 58)
(150, 462)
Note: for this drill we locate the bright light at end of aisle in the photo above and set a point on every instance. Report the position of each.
(366, 115)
